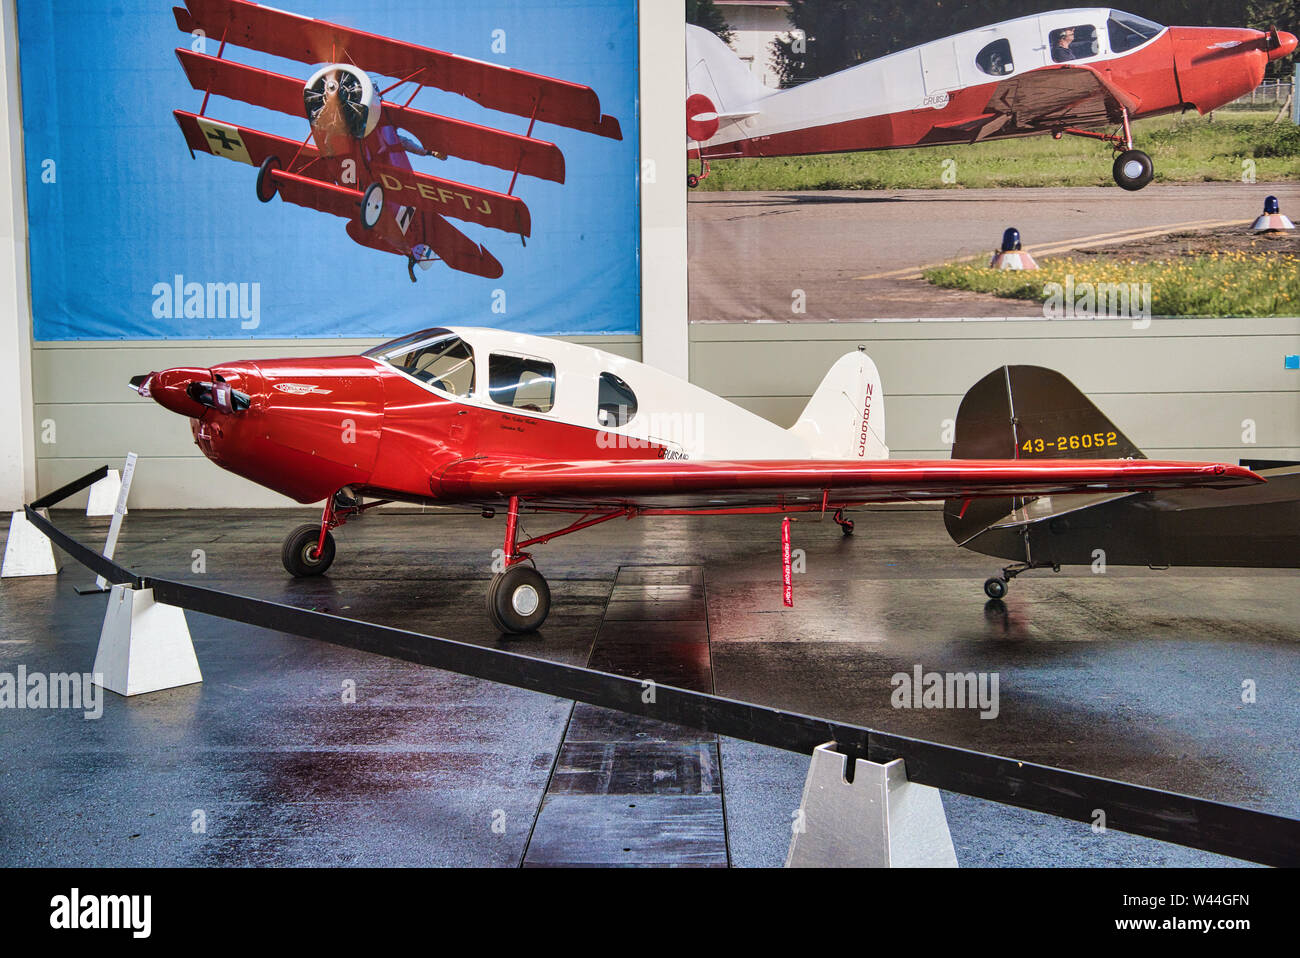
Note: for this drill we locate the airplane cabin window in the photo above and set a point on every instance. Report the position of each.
(446, 364)
(995, 59)
(616, 403)
(1127, 31)
(1074, 43)
(526, 384)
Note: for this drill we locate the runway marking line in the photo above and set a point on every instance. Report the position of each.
(1061, 246)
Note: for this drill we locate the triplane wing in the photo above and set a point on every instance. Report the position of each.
(311, 41)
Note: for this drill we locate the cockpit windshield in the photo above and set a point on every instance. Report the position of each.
(435, 356)
(1129, 31)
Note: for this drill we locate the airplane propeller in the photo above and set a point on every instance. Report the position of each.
(342, 91)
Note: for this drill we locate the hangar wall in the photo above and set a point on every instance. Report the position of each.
(1180, 389)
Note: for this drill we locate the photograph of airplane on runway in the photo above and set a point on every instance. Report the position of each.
(1064, 73)
(858, 161)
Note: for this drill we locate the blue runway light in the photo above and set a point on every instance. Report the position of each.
(1293, 362)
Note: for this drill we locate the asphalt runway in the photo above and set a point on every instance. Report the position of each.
(856, 255)
(1134, 675)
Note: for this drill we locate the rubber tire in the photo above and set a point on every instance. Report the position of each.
(1130, 183)
(847, 527)
(501, 609)
(995, 588)
(372, 189)
(266, 186)
(295, 553)
(692, 181)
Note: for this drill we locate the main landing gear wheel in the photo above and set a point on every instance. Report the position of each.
(266, 185)
(518, 600)
(995, 588)
(1134, 170)
(299, 551)
(372, 205)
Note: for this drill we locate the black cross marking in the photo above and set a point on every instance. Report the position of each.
(226, 142)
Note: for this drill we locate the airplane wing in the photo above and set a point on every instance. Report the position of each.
(469, 141)
(430, 194)
(1048, 99)
(652, 485)
(311, 41)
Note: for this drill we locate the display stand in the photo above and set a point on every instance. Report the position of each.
(879, 820)
(144, 646)
(27, 550)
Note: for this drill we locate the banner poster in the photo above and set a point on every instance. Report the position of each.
(336, 168)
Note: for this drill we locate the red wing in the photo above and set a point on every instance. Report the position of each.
(318, 195)
(470, 141)
(457, 250)
(794, 484)
(1048, 99)
(312, 41)
(457, 200)
(239, 143)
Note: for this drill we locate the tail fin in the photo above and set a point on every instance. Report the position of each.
(845, 418)
(1026, 412)
(716, 74)
(1029, 412)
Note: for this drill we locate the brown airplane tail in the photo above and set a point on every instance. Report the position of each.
(1027, 412)
(1030, 412)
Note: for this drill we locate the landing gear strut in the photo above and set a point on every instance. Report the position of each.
(997, 586)
(1133, 169)
(309, 549)
(518, 599)
(846, 525)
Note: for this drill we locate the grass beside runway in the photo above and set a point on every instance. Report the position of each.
(1235, 283)
(1185, 149)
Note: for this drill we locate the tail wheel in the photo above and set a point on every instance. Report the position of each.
(1133, 170)
(995, 588)
(692, 180)
(372, 205)
(299, 553)
(518, 600)
(266, 185)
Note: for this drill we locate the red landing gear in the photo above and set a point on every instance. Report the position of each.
(309, 549)
(518, 598)
(695, 179)
(1133, 169)
(846, 525)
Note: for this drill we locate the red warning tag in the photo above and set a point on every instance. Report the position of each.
(787, 578)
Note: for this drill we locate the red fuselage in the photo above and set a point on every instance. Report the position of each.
(1199, 68)
(314, 426)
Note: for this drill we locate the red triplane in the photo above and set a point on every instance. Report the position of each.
(354, 160)
(517, 423)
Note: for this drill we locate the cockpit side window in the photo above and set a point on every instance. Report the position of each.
(1074, 43)
(521, 382)
(995, 59)
(446, 363)
(616, 403)
(1127, 31)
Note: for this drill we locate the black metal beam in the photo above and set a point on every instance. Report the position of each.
(1168, 816)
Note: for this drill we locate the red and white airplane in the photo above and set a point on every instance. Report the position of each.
(517, 423)
(354, 160)
(1068, 72)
